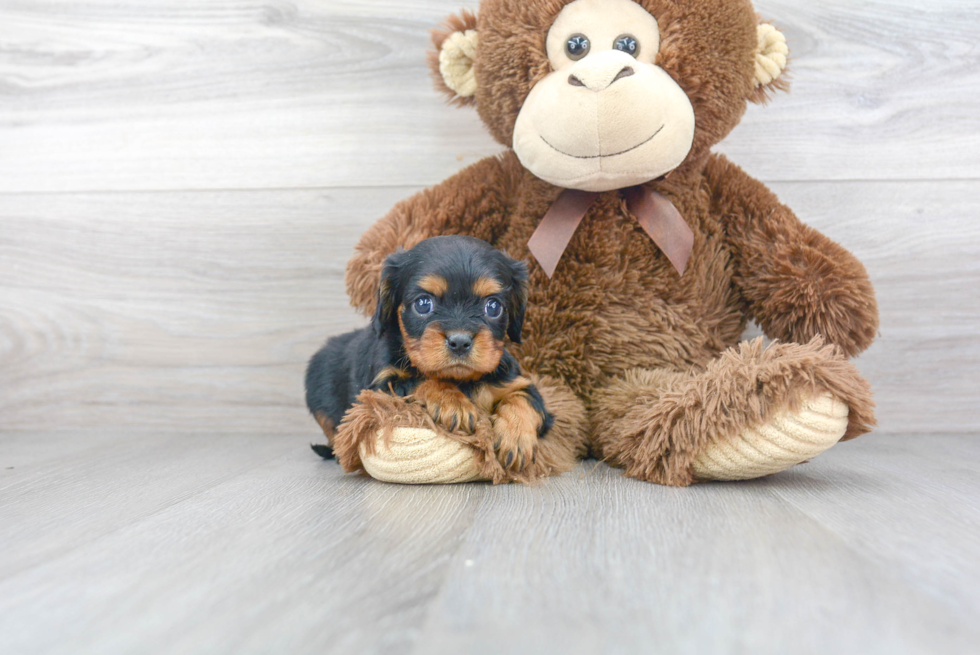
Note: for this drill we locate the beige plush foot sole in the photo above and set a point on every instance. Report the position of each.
(419, 456)
(786, 440)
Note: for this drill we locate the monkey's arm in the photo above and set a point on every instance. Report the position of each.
(472, 202)
(796, 282)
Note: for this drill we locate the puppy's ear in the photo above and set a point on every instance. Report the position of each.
(389, 292)
(516, 299)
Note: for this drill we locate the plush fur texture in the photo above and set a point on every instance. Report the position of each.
(653, 356)
(654, 423)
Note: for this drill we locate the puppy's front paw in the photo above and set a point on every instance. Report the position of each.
(515, 427)
(447, 405)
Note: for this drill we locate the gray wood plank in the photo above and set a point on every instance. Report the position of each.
(716, 568)
(51, 507)
(292, 556)
(889, 490)
(104, 95)
(24, 450)
(159, 309)
(197, 311)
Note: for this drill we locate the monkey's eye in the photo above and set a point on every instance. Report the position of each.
(577, 46)
(493, 308)
(423, 305)
(627, 44)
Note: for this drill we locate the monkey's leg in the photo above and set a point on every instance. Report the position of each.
(751, 412)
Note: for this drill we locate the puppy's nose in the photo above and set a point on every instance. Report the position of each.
(459, 342)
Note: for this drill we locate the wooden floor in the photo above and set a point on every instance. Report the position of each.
(251, 544)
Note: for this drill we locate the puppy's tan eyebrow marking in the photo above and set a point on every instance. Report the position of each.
(434, 284)
(487, 286)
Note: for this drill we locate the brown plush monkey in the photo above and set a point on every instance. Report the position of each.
(649, 253)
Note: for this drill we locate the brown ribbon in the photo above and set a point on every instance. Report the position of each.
(655, 213)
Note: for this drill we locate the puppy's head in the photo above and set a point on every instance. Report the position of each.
(453, 300)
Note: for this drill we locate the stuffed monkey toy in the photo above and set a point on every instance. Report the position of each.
(647, 253)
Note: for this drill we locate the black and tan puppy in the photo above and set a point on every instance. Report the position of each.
(444, 309)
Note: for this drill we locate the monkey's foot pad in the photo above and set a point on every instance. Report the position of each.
(787, 439)
(420, 456)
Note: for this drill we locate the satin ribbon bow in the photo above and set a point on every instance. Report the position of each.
(655, 213)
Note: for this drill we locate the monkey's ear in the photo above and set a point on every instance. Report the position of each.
(516, 300)
(771, 56)
(389, 293)
(452, 61)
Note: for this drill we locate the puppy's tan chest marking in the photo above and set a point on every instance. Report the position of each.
(487, 396)
(391, 373)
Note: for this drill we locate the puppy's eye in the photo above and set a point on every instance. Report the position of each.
(423, 306)
(493, 308)
(627, 44)
(577, 46)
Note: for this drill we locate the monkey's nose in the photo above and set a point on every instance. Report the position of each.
(599, 79)
(459, 343)
(626, 72)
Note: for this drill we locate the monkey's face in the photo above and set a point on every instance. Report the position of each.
(604, 94)
(454, 300)
(607, 116)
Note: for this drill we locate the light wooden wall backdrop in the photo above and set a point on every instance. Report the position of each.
(181, 184)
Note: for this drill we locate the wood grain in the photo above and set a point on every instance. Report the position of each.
(264, 561)
(80, 497)
(889, 480)
(197, 311)
(715, 568)
(869, 548)
(104, 95)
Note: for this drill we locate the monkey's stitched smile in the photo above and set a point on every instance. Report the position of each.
(615, 154)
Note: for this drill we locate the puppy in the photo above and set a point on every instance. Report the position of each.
(437, 336)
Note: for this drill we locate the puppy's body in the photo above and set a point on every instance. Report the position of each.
(444, 308)
(346, 365)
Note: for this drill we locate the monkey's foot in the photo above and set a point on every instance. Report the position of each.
(786, 439)
(419, 456)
